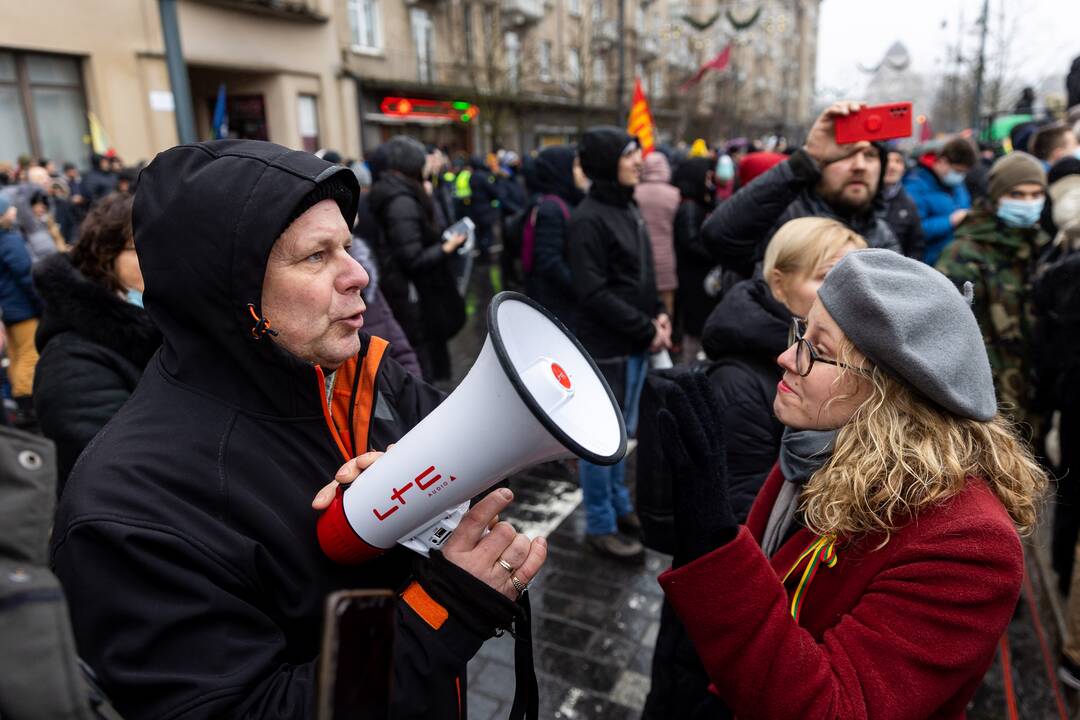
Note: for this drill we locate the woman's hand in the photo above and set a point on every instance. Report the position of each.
(470, 547)
(453, 242)
(821, 140)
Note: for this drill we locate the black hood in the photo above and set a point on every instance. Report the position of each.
(76, 304)
(691, 177)
(600, 150)
(553, 173)
(749, 321)
(205, 218)
(405, 155)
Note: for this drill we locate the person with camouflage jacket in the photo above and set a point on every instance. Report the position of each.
(996, 249)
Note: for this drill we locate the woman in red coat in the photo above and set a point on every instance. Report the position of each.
(881, 561)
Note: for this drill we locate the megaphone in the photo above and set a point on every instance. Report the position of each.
(533, 395)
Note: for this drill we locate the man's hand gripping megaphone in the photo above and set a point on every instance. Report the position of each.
(489, 550)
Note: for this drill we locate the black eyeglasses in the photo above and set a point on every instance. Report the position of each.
(805, 355)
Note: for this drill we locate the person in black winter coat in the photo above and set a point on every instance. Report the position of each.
(743, 337)
(694, 179)
(185, 539)
(620, 316)
(483, 206)
(411, 251)
(99, 181)
(901, 213)
(94, 338)
(820, 179)
(550, 281)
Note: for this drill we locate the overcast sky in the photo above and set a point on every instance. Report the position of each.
(1046, 36)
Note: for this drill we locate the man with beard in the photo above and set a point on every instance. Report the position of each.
(821, 179)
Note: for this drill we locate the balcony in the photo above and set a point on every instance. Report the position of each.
(300, 10)
(522, 12)
(648, 48)
(605, 34)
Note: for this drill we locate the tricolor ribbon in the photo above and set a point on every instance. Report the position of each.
(822, 550)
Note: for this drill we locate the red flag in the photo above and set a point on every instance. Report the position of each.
(925, 133)
(640, 123)
(717, 63)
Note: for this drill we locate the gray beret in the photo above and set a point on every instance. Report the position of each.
(912, 322)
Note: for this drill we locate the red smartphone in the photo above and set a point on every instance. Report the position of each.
(873, 123)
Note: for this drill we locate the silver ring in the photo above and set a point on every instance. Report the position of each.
(518, 585)
(506, 566)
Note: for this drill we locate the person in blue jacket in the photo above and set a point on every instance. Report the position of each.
(936, 185)
(21, 307)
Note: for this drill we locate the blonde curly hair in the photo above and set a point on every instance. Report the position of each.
(901, 453)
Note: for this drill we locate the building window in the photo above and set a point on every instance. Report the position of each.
(573, 65)
(365, 24)
(598, 10)
(424, 41)
(574, 8)
(639, 19)
(467, 31)
(599, 73)
(42, 107)
(513, 59)
(545, 61)
(308, 109)
(657, 83)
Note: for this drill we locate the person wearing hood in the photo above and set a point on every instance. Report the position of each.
(694, 182)
(900, 210)
(548, 278)
(743, 337)
(186, 539)
(94, 338)
(620, 317)
(412, 253)
(820, 179)
(20, 308)
(937, 186)
(483, 207)
(882, 559)
(99, 181)
(658, 201)
(996, 249)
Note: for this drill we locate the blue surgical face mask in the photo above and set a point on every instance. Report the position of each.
(134, 297)
(953, 178)
(1020, 213)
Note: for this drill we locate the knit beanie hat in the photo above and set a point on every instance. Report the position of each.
(910, 320)
(1014, 169)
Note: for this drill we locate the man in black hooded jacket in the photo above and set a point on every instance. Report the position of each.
(186, 537)
(620, 316)
(820, 179)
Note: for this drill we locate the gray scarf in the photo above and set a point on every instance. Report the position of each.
(802, 453)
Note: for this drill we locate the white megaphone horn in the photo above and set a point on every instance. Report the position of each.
(533, 395)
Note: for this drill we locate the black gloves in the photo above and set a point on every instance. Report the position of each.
(692, 430)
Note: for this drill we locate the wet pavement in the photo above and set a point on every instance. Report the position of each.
(596, 620)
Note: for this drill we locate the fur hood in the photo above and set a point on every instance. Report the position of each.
(76, 304)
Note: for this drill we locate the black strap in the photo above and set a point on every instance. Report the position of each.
(526, 693)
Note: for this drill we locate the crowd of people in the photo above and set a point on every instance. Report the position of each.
(846, 368)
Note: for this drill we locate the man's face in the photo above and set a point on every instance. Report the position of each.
(38, 176)
(311, 290)
(850, 183)
(894, 171)
(630, 168)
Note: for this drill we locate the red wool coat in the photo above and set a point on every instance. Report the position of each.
(907, 631)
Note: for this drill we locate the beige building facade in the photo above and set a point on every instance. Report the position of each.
(471, 75)
(279, 62)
